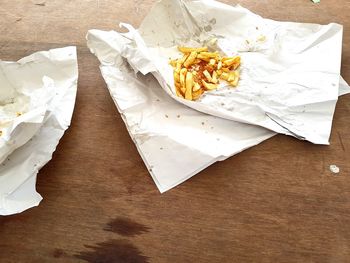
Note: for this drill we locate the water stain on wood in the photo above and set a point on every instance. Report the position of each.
(57, 253)
(113, 251)
(126, 227)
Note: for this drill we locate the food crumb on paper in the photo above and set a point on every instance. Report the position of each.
(166, 116)
(334, 169)
(42, 3)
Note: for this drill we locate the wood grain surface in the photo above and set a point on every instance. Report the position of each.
(276, 202)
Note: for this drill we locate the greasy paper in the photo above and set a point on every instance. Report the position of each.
(290, 72)
(175, 141)
(37, 101)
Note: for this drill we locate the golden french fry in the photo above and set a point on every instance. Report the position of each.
(189, 85)
(189, 61)
(191, 49)
(178, 93)
(231, 77)
(233, 60)
(224, 76)
(202, 57)
(199, 70)
(212, 62)
(235, 66)
(197, 94)
(196, 87)
(214, 78)
(173, 63)
(235, 81)
(209, 86)
(178, 90)
(219, 65)
(176, 76)
(207, 75)
(209, 54)
(184, 57)
(183, 72)
(180, 62)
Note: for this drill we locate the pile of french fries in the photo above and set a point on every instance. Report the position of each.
(198, 71)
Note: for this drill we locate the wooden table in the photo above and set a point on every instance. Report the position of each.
(276, 202)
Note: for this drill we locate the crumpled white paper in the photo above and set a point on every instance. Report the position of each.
(289, 74)
(175, 141)
(42, 88)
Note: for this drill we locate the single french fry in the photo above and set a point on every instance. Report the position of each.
(209, 54)
(214, 78)
(219, 72)
(209, 86)
(223, 76)
(173, 63)
(219, 65)
(183, 72)
(178, 90)
(196, 87)
(224, 59)
(197, 94)
(207, 75)
(189, 85)
(233, 60)
(231, 77)
(180, 62)
(203, 57)
(212, 62)
(234, 82)
(179, 94)
(235, 66)
(191, 49)
(226, 70)
(189, 61)
(176, 76)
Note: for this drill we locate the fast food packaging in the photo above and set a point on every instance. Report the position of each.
(289, 84)
(37, 100)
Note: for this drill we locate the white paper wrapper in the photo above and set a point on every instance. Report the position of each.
(289, 74)
(175, 141)
(42, 87)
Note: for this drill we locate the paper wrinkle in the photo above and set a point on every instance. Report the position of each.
(293, 65)
(163, 129)
(49, 79)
